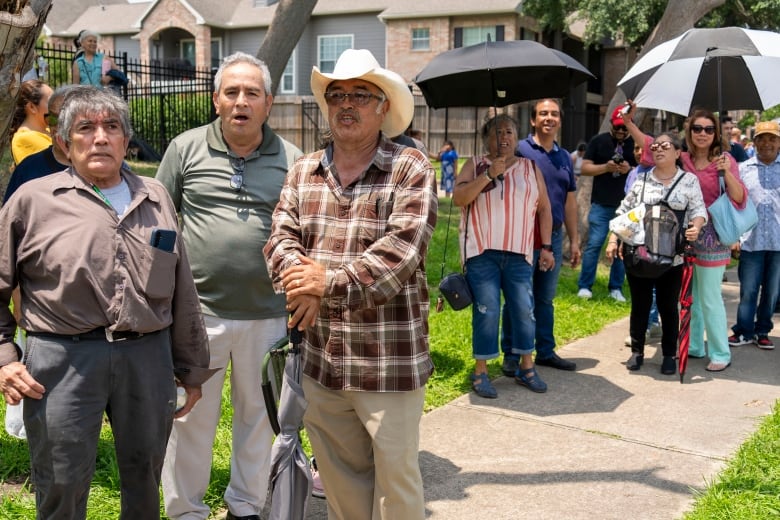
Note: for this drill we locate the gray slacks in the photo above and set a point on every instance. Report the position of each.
(132, 382)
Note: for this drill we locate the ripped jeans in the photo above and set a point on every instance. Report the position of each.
(490, 274)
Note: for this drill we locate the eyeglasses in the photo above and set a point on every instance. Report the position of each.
(359, 98)
(51, 118)
(663, 145)
(697, 129)
(620, 128)
(237, 179)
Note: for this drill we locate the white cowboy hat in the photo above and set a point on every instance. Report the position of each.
(361, 64)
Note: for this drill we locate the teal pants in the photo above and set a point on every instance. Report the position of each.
(708, 313)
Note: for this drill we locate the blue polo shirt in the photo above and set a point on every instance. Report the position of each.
(557, 171)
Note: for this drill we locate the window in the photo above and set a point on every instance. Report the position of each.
(216, 52)
(330, 48)
(474, 35)
(465, 36)
(287, 83)
(421, 39)
(528, 34)
(187, 51)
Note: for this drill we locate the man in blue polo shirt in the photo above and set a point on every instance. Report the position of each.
(556, 167)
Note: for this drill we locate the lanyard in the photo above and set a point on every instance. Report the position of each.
(102, 196)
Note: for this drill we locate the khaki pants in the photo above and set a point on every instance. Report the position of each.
(366, 445)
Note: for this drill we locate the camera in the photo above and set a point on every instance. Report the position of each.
(617, 159)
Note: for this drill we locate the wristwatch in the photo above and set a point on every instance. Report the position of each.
(487, 174)
(547, 247)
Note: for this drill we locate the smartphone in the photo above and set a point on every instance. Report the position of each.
(163, 239)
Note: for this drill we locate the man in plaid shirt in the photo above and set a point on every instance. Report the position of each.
(348, 247)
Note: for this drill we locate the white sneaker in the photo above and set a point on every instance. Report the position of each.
(655, 331)
(317, 490)
(585, 294)
(616, 295)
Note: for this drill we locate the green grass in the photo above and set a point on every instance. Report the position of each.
(146, 169)
(748, 489)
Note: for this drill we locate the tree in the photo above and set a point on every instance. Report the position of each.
(286, 29)
(20, 23)
(643, 25)
(653, 21)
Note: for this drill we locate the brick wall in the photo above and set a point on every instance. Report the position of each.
(171, 13)
(617, 61)
(406, 62)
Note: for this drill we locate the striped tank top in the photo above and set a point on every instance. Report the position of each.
(502, 218)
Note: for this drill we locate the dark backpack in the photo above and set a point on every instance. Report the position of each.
(664, 238)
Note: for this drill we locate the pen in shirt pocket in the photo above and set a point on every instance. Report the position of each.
(380, 203)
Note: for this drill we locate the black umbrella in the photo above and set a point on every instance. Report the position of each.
(290, 477)
(498, 74)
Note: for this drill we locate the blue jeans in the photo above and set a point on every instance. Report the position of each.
(490, 274)
(653, 320)
(759, 271)
(598, 220)
(545, 285)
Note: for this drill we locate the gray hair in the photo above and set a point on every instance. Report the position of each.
(242, 57)
(91, 101)
(86, 33)
(61, 93)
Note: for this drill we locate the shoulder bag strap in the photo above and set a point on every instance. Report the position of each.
(722, 181)
(447, 233)
(676, 182)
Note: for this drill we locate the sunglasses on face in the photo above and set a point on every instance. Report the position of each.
(663, 145)
(620, 128)
(237, 179)
(358, 98)
(51, 118)
(697, 129)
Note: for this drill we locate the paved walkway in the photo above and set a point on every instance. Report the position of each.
(603, 442)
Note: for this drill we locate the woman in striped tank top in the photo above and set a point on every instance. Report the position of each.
(500, 196)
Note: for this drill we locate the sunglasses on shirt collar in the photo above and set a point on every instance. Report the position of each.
(237, 179)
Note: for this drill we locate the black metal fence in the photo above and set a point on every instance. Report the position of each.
(165, 98)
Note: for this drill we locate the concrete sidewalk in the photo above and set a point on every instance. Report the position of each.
(603, 442)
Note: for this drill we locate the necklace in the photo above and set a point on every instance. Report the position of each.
(666, 178)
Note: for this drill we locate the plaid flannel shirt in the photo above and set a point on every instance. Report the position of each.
(372, 236)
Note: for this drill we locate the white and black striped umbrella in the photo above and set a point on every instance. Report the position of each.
(720, 69)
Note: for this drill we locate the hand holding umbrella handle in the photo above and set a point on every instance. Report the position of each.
(296, 336)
